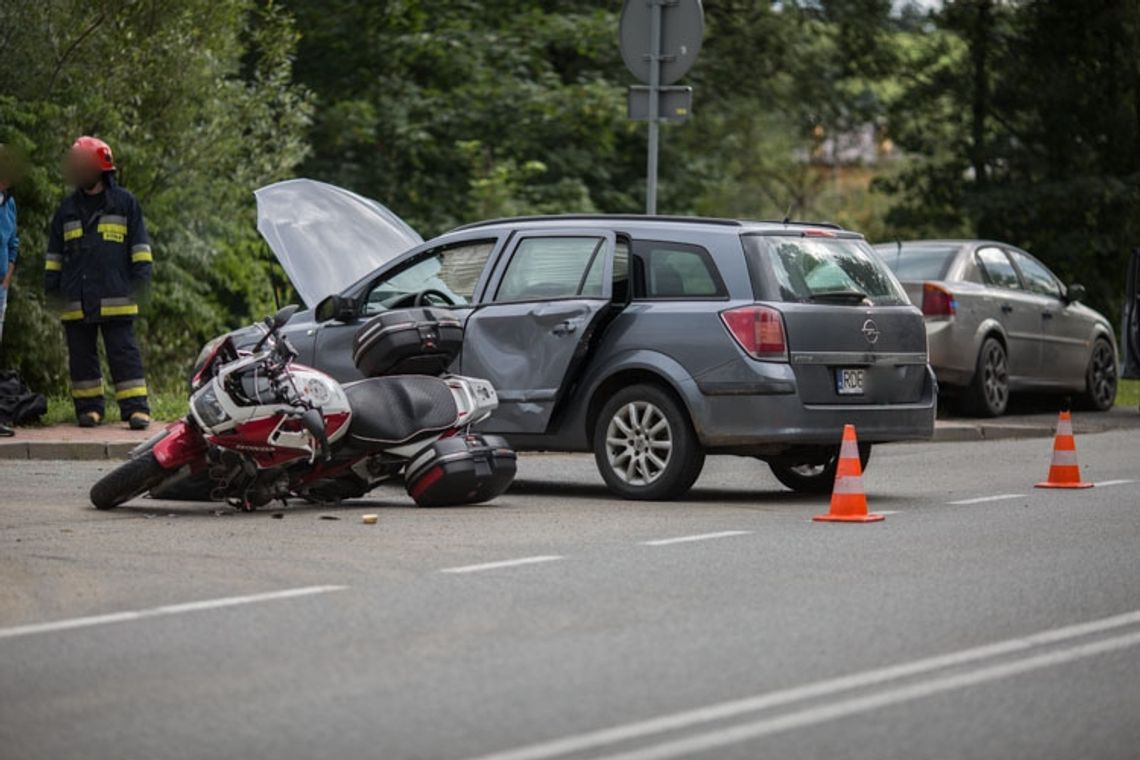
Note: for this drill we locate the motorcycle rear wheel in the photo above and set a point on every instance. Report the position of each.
(130, 479)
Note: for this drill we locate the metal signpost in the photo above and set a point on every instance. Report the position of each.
(660, 40)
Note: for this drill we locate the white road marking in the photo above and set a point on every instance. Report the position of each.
(844, 708)
(697, 537)
(886, 511)
(503, 563)
(170, 609)
(1104, 483)
(982, 499)
(832, 686)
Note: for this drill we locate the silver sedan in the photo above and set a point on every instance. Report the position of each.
(998, 321)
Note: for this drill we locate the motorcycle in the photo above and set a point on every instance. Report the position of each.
(262, 428)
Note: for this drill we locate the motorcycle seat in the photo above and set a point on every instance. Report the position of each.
(388, 411)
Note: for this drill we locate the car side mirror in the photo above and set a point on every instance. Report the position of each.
(1074, 293)
(336, 307)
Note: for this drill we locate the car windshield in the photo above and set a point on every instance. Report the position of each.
(833, 270)
(918, 262)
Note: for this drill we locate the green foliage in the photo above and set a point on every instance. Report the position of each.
(1023, 120)
(197, 100)
(1018, 121)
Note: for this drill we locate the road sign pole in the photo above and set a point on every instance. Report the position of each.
(654, 104)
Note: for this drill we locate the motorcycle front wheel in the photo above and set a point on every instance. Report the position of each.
(130, 479)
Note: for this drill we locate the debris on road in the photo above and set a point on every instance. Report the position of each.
(277, 515)
(369, 519)
(328, 517)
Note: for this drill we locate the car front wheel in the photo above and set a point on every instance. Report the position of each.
(1100, 393)
(645, 446)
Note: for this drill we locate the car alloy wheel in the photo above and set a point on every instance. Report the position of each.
(639, 443)
(1102, 376)
(995, 377)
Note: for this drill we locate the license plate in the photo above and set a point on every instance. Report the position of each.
(849, 382)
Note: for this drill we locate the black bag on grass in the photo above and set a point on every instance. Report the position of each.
(18, 405)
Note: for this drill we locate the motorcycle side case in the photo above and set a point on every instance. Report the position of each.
(408, 342)
(461, 470)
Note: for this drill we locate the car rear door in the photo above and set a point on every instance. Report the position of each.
(546, 299)
(1016, 309)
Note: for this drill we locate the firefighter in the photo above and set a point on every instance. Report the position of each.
(98, 266)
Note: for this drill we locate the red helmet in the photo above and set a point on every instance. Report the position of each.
(97, 151)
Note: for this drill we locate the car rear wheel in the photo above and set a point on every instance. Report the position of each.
(814, 475)
(988, 394)
(1100, 379)
(645, 446)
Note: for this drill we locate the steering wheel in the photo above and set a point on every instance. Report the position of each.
(421, 297)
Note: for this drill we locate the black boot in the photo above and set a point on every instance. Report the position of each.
(6, 430)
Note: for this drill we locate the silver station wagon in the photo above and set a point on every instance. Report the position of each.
(649, 341)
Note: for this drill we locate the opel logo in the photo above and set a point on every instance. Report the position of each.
(871, 331)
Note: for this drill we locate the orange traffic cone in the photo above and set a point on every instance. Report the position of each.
(848, 500)
(1063, 471)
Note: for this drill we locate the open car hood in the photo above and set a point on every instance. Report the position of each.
(326, 237)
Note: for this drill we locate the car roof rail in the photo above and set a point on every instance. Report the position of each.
(802, 223)
(602, 218)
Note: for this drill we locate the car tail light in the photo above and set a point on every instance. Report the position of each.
(759, 330)
(937, 301)
(819, 233)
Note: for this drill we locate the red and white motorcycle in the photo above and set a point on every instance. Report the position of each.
(262, 428)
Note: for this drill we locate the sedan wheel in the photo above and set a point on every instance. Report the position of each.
(1101, 380)
(644, 445)
(989, 393)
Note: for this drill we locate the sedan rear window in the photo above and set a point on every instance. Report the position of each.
(828, 270)
(918, 262)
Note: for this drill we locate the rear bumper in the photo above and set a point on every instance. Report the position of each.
(953, 354)
(758, 421)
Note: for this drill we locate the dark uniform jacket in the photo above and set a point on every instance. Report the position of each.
(98, 267)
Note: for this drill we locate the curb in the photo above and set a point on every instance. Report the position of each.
(98, 450)
(957, 432)
(64, 450)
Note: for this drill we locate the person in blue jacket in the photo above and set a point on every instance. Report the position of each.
(97, 267)
(9, 243)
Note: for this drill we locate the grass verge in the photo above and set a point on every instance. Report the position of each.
(1128, 394)
(163, 408)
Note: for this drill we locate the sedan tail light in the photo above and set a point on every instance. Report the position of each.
(937, 302)
(759, 330)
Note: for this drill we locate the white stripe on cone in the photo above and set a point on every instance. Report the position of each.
(1064, 457)
(848, 484)
(849, 450)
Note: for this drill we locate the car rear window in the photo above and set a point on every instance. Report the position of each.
(918, 262)
(817, 269)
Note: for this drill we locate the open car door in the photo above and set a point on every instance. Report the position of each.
(1130, 327)
(545, 301)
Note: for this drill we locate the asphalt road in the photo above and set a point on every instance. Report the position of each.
(990, 628)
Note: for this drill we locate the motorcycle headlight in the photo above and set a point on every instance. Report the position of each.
(208, 408)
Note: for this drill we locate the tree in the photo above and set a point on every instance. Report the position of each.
(197, 100)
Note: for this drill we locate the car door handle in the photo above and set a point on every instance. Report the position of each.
(1046, 315)
(1006, 308)
(565, 328)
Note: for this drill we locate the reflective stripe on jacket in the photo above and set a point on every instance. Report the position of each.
(98, 267)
